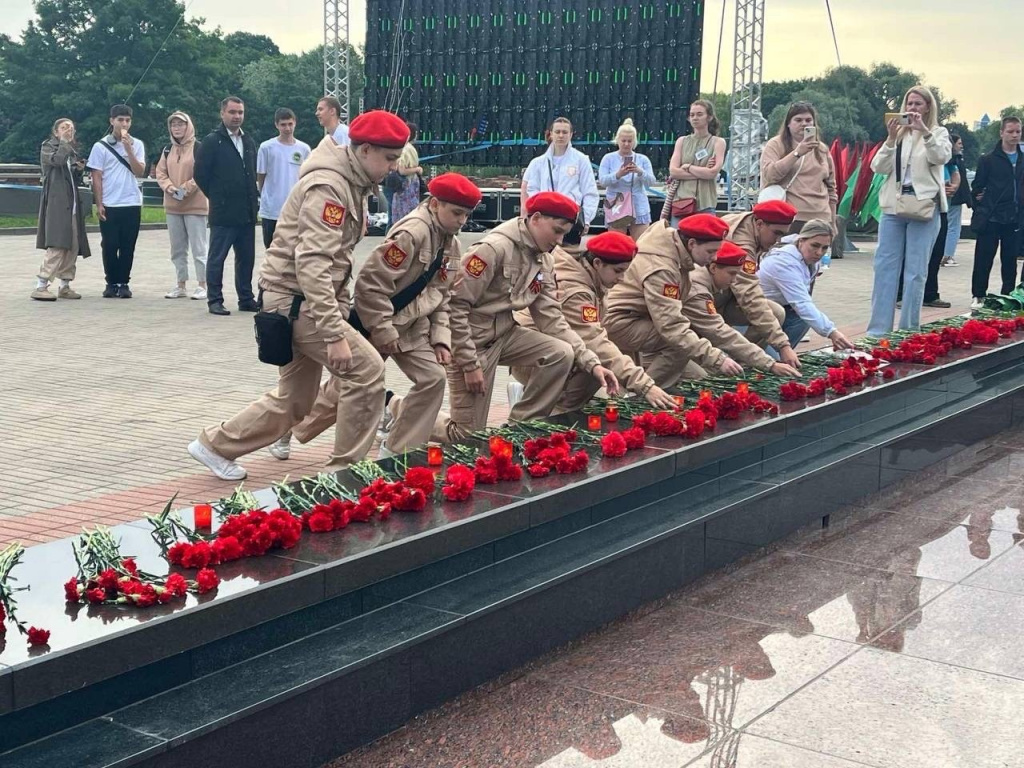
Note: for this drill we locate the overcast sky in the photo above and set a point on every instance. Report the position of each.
(978, 68)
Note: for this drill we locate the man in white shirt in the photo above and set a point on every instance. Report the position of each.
(116, 162)
(277, 169)
(328, 113)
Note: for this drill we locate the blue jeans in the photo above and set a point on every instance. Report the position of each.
(222, 240)
(794, 328)
(954, 226)
(907, 243)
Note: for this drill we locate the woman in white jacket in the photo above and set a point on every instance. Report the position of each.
(912, 157)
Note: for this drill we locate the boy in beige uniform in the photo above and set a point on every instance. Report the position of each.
(644, 313)
(707, 285)
(417, 337)
(582, 284)
(510, 269)
(311, 257)
(757, 232)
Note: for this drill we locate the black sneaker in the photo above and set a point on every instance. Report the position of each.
(124, 292)
(938, 303)
(218, 309)
(110, 292)
(248, 306)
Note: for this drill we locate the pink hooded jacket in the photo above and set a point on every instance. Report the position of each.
(176, 168)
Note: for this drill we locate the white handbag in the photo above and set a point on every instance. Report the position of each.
(776, 191)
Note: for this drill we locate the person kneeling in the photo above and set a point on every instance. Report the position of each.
(582, 285)
(707, 284)
(787, 275)
(512, 269)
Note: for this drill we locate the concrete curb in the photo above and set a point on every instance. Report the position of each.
(91, 228)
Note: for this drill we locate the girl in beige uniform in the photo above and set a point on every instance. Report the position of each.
(311, 257)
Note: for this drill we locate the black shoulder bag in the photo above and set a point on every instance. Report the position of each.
(274, 333)
(404, 297)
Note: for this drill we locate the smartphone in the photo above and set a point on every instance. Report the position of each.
(901, 118)
(810, 132)
(630, 159)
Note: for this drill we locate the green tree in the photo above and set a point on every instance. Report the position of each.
(837, 116)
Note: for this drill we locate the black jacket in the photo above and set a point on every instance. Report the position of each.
(962, 196)
(997, 179)
(229, 183)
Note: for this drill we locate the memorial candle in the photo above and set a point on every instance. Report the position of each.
(435, 456)
(594, 422)
(680, 401)
(611, 413)
(743, 388)
(203, 514)
(500, 447)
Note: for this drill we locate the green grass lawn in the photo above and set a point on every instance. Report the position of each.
(150, 215)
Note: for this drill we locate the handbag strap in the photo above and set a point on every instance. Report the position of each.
(293, 311)
(407, 295)
(551, 174)
(117, 154)
(797, 173)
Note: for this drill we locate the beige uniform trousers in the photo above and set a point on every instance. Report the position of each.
(663, 362)
(415, 414)
(733, 314)
(550, 360)
(61, 263)
(579, 388)
(360, 396)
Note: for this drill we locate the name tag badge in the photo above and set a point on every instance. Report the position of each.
(702, 155)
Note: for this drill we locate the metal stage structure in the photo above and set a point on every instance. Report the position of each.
(336, 63)
(747, 125)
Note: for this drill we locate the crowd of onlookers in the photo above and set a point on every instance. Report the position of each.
(217, 188)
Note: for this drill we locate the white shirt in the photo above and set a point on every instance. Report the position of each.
(281, 163)
(340, 135)
(236, 139)
(573, 177)
(120, 185)
(787, 279)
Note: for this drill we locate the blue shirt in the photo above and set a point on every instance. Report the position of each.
(1012, 157)
(786, 279)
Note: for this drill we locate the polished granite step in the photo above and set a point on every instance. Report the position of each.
(346, 668)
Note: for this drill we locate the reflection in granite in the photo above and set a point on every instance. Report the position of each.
(907, 544)
(886, 709)
(969, 627)
(805, 594)
(528, 723)
(1003, 574)
(754, 752)
(952, 498)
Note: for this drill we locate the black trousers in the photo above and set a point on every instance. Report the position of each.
(118, 235)
(1006, 239)
(931, 283)
(222, 240)
(269, 226)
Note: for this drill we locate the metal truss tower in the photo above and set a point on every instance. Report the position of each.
(336, 44)
(747, 125)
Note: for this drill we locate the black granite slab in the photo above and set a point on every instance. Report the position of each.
(95, 744)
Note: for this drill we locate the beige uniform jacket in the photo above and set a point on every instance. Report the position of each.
(746, 289)
(403, 257)
(503, 273)
(320, 224)
(701, 306)
(582, 297)
(654, 288)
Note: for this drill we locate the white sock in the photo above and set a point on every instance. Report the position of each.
(65, 283)
(42, 285)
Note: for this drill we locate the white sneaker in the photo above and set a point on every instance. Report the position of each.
(384, 452)
(199, 294)
(977, 303)
(515, 393)
(223, 468)
(176, 293)
(282, 449)
(950, 262)
(387, 419)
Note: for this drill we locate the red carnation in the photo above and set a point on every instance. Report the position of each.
(38, 636)
(227, 548)
(538, 470)
(198, 555)
(459, 483)
(129, 565)
(420, 477)
(580, 461)
(176, 586)
(888, 373)
(146, 597)
(635, 438)
(321, 520)
(71, 593)
(362, 511)
(96, 595)
(108, 580)
(207, 580)
(485, 472)
(613, 445)
(695, 422)
(410, 500)
(129, 586)
(644, 421)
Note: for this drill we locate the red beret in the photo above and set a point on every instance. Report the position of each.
(456, 189)
(553, 204)
(383, 129)
(703, 226)
(730, 255)
(775, 212)
(612, 247)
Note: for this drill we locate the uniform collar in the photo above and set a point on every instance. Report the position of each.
(595, 281)
(529, 242)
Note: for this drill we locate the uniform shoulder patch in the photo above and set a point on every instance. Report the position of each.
(333, 214)
(476, 266)
(711, 308)
(750, 266)
(394, 256)
(671, 290)
(590, 313)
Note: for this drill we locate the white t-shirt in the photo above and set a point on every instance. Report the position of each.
(120, 185)
(340, 135)
(281, 163)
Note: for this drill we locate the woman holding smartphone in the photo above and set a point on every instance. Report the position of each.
(798, 161)
(627, 174)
